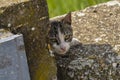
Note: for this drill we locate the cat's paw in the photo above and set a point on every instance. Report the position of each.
(74, 41)
(51, 53)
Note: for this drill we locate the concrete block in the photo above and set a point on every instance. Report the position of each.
(13, 61)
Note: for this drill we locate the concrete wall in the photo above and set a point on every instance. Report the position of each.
(13, 61)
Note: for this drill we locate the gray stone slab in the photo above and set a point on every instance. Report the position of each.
(13, 61)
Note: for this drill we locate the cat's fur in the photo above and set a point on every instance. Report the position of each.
(60, 35)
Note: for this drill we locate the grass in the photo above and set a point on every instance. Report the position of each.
(59, 7)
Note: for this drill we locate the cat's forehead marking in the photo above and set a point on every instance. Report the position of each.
(60, 35)
(55, 25)
(59, 30)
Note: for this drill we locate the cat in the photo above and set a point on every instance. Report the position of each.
(60, 36)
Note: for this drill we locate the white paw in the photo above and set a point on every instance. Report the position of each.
(51, 53)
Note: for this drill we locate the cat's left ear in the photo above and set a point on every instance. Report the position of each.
(67, 19)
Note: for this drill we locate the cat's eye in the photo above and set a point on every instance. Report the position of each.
(67, 37)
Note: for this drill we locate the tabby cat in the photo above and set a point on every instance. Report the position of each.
(60, 35)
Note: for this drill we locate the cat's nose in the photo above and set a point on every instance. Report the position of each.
(63, 48)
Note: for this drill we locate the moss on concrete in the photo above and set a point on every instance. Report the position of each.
(31, 19)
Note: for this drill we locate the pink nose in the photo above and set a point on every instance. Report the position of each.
(63, 48)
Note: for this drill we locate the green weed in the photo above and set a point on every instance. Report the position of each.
(59, 7)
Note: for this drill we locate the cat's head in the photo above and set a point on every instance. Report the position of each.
(60, 35)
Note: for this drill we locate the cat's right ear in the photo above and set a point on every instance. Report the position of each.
(67, 19)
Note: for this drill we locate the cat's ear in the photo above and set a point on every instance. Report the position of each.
(67, 19)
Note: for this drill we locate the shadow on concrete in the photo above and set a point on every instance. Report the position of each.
(89, 62)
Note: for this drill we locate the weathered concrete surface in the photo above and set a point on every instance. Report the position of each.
(4, 3)
(4, 33)
(98, 57)
(89, 62)
(99, 24)
(13, 61)
(30, 17)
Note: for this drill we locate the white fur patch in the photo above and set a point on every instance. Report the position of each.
(75, 41)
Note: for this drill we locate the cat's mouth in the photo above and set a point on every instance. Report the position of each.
(62, 52)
